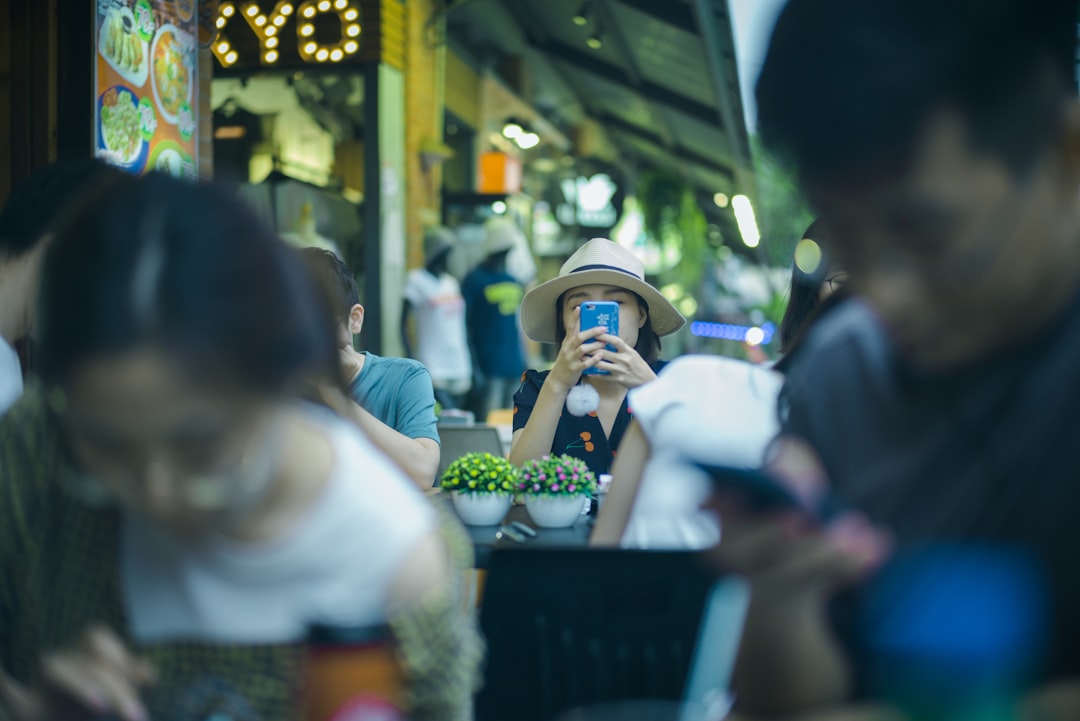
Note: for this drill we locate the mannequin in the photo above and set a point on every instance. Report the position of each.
(433, 301)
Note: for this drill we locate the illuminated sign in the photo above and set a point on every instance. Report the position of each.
(269, 27)
(589, 202)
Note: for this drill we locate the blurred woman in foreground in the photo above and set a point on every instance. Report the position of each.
(172, 518)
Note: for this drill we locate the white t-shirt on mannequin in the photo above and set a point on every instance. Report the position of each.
(11, 385)
(441, 341)
(705, 409)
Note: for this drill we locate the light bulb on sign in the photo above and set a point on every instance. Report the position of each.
(336, 55)
(280, 20)
(252, 10)
(220, 22)
(309, 11)
(271, 43)
(307, 30)
(351, 14)
(341, 4)
(227, 11)
(324, 5)
(231, 57)
(286, 9)
(261, 20)
(272, 56)
(322, 55)
(310, 48)
(352, 31)
(270, 31)
(351, 47)
(223, 47)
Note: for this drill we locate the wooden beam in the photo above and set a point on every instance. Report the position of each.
(677, 151)
(616, 75)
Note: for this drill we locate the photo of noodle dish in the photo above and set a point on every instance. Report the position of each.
(171, 70)
(123, 49)
(120, 139)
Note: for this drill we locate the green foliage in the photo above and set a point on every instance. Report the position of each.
(559, 476)
(481, 473)
(676, 222)
(782, 211)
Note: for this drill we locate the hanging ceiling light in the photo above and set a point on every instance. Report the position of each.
(528, 140)
(512, 129)
(581, 17)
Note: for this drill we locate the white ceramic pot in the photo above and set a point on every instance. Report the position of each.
(555, 511)
(482, 509)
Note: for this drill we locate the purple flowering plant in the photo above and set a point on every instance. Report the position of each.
(556, 476)
(481, 473)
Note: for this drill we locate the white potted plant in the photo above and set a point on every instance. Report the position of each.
(482, 488)
(555, 490)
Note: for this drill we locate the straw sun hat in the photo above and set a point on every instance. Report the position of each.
(598, 262)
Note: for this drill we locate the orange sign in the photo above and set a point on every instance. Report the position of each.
(146, 89)
(499, 173)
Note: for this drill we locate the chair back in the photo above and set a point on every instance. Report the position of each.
(572, 627)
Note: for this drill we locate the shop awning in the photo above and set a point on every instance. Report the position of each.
(659, 76)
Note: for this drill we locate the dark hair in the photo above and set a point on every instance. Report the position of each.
(648, 344)
(804, 295)
(334, 278)
(187, 267)
(795, 345)
(847, 85)
(38, 202)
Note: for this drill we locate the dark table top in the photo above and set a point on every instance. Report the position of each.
(485, 541)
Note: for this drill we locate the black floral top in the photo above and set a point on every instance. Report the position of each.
(579, 436)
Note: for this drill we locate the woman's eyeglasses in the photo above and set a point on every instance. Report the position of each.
(836, 281)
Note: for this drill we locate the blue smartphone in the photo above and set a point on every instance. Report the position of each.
(600, 314)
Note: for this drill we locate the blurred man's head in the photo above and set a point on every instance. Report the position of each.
(942, 142)
(32, 209)
(339, 285)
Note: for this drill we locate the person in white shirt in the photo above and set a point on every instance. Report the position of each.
(701, 409)
(25, 221)
(433, 297)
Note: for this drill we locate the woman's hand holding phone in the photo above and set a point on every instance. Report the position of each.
(578, 352)
(624, 365)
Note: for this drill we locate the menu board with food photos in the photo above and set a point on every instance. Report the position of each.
(146, 85)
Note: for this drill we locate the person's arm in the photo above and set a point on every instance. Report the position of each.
(790, 660)
(418, 457)
(439, 646)
(634, 453)
(406, 311)
(578, 352)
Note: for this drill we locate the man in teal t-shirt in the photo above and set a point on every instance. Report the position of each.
(394, 398)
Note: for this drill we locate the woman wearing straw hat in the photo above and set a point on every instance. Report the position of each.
(562, 410)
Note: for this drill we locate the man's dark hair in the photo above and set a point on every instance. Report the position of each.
(335, 279)
(38, 202)
(848, 85)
